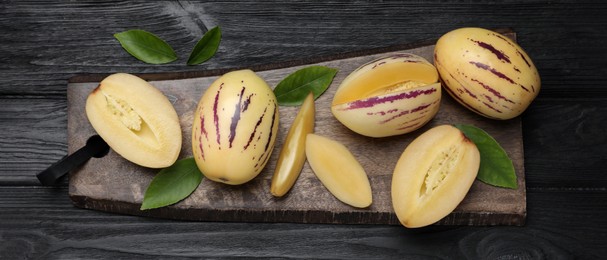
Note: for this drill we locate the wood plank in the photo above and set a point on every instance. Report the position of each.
(47, 44)
(113, 184)
(33, 135)
(39, 222)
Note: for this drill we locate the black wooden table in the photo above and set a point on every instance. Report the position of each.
(43, 44)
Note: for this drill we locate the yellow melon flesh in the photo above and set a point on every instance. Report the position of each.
(293, 153)
(136, 120)
(433, 175)
(368, 81)
(339, 171)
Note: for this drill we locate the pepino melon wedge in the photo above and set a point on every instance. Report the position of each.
(339, 171)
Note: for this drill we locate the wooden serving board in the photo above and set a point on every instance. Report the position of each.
(113, 184)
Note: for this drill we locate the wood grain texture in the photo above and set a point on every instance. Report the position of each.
(566, 144)
(114, 184)
(44, 43)
(33, 136)
(49, 41)
(56, 230)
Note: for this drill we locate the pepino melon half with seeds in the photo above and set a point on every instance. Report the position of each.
(136, 120)
(433, 175)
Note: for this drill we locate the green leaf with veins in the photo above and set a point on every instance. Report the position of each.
(293, 89)
(206, 47)
(146, 46)
(172, 184)
(496, 167)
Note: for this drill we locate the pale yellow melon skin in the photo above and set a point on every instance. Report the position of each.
(433, 175)
(486, 72)
(157, 143)
(390, 96)
(235, 127)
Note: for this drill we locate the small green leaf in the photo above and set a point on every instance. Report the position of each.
(146, 46)
(293, 89)
(496, 168)
(206, 47)
(172, 184)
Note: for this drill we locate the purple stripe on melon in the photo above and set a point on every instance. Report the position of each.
(370, 102)
(266, 152)
(524, 59)
(516, 69)
(409, 126)
(406, 112)
(427, 110)
(215, 116)
(378, 64)
(265, 156)
(459, 99)
(247, 102)
(503, 38)
(493, 91)
(383, 113)
(515, 47)
(463, 89)
(416, 122)
(255, 129)
(271, 127)
(401, 55)
(402, 113)
(235, 118)
(419, 108)
(413, 120)
(469, 92)
(499, 54)
(488, 98)
(496, 73)
(200, 147)
(414, 58)
(203, 130)
(265, 161)
(508, 41)
(493, 108)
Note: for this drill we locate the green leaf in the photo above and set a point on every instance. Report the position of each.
(172, 184)
(293, 89)
(206, 47)
(146, 46)
(496, 168)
